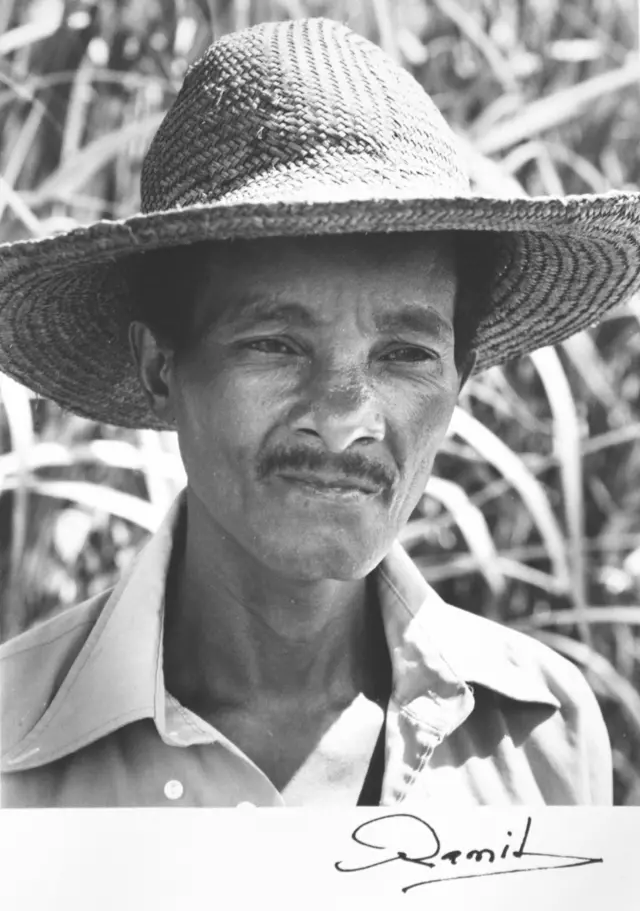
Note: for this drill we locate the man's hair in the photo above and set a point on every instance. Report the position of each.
(475, 258)
(164, 284)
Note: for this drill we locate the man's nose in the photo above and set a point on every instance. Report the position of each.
(342, 412)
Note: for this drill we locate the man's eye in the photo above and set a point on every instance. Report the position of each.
(410, 354)
(270, 346)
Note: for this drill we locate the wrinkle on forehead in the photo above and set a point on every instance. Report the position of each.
(246, 277)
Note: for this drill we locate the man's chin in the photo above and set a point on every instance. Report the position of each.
(322, 539)
(326, 560)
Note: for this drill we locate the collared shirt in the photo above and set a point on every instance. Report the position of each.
(479, 714)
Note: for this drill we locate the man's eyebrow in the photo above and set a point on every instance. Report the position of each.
(414, 318)
(262, 310)
(406, 318)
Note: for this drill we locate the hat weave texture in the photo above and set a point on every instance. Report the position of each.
(291, 129)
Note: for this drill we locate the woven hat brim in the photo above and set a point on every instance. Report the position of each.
(65, 306)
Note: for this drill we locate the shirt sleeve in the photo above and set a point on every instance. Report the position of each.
(583, 739)
(571, 752)
(594, 740)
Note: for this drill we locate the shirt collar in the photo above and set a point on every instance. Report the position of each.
(436, 651)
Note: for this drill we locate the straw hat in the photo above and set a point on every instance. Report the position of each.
(301, 128)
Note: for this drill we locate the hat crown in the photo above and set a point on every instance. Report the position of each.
(298, 110)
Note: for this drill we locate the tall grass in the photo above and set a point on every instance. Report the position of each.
(533, 516)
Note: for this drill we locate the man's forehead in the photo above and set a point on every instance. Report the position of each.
(402, 281)
(280, 277)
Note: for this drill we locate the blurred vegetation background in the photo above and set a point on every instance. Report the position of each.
(533, 517)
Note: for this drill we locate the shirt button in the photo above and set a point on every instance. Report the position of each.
(173, 789)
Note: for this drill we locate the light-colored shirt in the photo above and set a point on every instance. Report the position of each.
(479, 713)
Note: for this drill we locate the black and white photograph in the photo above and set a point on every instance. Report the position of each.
(320, 405)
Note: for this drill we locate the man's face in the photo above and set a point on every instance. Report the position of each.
(313, 396)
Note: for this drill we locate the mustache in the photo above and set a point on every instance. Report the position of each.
(350, 464)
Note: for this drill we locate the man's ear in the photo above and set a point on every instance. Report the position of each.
(154, 361)
(466, 368)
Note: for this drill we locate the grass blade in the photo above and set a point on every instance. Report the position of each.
(628, 615)
(603, 675)
(6, 14)
(162, 488)
(473, 528)
(77, 170)
(586, 360)
(632, 564)
(513, 469)
(586, 171)
(557, 109)
(24, 35)
(16, 400)
(116, 454)
(475, 34)
(20, 209)
(490, 177)
(387, 28)
(464, 564)
(97, 497)
(19, 153)
(78, 110)
(515, 569)
(566, 444)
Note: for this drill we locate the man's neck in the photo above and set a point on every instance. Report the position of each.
(237, 634)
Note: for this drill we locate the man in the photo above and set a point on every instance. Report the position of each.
(309, 287)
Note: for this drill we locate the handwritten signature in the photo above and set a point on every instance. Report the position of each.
(427, 851)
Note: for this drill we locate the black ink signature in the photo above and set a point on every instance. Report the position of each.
(375, 834)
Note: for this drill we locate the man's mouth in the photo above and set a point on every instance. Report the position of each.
(333, 485)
